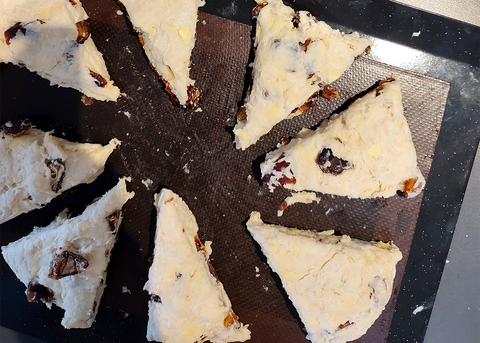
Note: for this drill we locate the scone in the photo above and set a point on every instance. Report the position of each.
(338, 285)
(52, 38)
(295, 55)
(166, 30)
(36, 167)
(65, 263)
(366, 151)
(188, 303)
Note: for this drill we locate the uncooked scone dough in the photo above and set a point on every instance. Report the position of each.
(295, 54)
(188, 303)
(338, 285)
(29, 180)
(65, 263)
(166, 29)
(365, 151)
(52, 38)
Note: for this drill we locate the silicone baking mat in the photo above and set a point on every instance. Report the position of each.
(193, 154)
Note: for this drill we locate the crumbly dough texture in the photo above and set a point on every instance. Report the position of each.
(372, 136)
(46, 43)
(167, 30)
(290, 65)
(88, 235)
(189, 303)
(26, 178)
(338, 285)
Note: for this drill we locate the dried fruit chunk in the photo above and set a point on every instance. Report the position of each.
(57, 169)
(99, 79)
(16, 128)
(36, 292)
(194, 96)
(329, 163)
(65, 264)
(12, 32)
(114, 220)
(83, 29)
(156, 298)
(328, 93)
(295, 55)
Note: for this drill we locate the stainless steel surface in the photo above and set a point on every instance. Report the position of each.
(456, 313)
(467, 11)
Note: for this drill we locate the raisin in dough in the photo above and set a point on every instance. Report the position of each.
(338, 285)
(52, 38)
(295, 54)
(166, 29)
(188, 303)
(365, 151)
(65, 263)
(36, 167)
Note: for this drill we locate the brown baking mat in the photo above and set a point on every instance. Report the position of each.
(193, 154)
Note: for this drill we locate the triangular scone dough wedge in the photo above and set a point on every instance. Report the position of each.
(166, 30)
(36, 167)
(65, 263)
(188, 303)
(338, 285)
(52, 38)
(366, 151)
(295, 54)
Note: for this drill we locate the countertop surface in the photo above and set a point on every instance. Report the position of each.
(430, 307)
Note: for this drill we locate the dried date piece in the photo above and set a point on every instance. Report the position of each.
(194, 96)
(409, 187)
(344, 325)
(16, 128)
(36, 292)
(99, 79)
(230, 319)
(380, 86)
(83, 29)
(156, 298)
(65, 264)
(242, 114)
(258, 8)
(328, 93)
(331, 164)
(12, 31)
(114, 220)
(57, 170)
(311, 103)
(305, 44)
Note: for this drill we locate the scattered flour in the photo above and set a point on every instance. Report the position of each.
(147, 183)
(126, 290)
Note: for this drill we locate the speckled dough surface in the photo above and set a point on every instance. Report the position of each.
(294, 55)
(338, 285)
(167, 32)
(27, 174)
(69, 257)
(188, 303)
(365, 151)
(52, 38)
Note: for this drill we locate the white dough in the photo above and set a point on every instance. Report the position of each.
(286, 71)
(167, 28)
(27, 180)
(88, 235)
(46, 44)
(372, 136)
(192, 305)
(338, 285)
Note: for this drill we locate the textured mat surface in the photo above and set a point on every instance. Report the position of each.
(193, 154)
